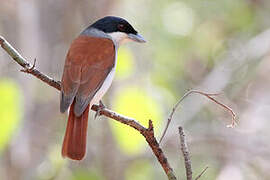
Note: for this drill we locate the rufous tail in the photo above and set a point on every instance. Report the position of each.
(74, 145)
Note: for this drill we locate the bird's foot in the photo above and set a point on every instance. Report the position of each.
(101, 106)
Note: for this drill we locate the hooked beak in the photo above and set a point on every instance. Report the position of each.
(136, 37)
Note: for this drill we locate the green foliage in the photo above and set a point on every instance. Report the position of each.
(86, 175)
(10, 110)
(135, 103)
(125, 63)
(212, 33)
(140, 169)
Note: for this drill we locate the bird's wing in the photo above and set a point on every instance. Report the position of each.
(88, 62)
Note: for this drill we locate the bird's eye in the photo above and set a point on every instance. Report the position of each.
(121, 27)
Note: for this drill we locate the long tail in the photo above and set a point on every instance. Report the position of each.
(74, 145)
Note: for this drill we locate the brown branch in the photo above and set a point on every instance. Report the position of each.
(148, 133)
(199, 176)
(185, 153)
(209, 96)
(28, 67)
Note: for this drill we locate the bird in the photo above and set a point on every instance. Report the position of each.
(88, 73)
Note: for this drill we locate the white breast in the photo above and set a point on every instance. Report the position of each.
(118, 38)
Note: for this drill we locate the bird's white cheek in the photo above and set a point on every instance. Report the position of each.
(125, 40)
(119, 37)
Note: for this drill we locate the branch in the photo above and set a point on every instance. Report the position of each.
(28, 67)
(209, 96)
(148, 133)
(185, 153)
(199, 176)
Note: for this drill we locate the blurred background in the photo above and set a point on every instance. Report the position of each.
(217, 46)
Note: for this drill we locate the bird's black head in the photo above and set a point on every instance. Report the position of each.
(110, 24)
(118, 29)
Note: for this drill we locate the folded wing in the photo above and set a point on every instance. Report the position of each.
(88, 62)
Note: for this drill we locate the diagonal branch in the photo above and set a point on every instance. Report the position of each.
(28, 67)
(209, 96)
(199, 176)
(148, 133)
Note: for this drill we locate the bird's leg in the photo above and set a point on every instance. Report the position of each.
(101, 106)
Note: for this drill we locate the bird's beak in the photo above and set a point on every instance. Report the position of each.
(136, 37)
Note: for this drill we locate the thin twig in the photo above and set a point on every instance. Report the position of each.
(209, 96)
(185, 153)
(199, 176)
(28, 66)
(148, 133)
(233, 121)
(28, 70)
